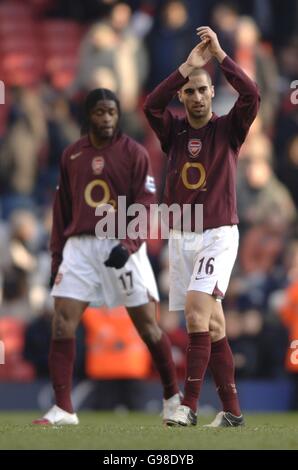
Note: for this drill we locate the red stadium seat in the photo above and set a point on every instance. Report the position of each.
(60, 29)
(61, 69)
(63, 78)
(4, 110)
(21, 69)
(14, 11)
(19, 44)
(15, 367)
(60, 38)
(41, 6)
(55, 45)
(58, 61)
(13, 27)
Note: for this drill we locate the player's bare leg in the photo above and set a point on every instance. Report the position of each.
(222, 368)
(67, 316)
(144, 319)
(217, 324)
(198, 310)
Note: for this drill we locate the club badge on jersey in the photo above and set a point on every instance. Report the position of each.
(194, 147)
(98, 164)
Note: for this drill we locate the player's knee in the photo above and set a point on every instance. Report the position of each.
(150, 333)
(217, 328)
(196, 319)
(64, 325)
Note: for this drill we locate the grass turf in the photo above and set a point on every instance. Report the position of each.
(98, 430)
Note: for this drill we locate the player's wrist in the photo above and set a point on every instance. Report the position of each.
(220, 55)
(185, 69)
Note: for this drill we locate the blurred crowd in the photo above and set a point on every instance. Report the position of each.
(52, 53)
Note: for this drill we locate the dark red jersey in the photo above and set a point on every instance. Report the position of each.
(91, 177)
(202, 162)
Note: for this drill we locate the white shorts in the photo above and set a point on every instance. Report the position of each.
(83, 276)
(201, 262)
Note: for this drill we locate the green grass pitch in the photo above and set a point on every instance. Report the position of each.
(110, 431)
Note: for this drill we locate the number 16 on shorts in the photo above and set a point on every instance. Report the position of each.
(205, 267)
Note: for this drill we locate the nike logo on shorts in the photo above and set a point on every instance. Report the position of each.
(193, 380)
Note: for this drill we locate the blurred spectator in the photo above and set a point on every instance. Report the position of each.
(62, 130)
(288, 60)
(259, 63)
(116, 358)
(25, 269)
(15, 302)
(37, 342)
(262, 246)
(24, 234)
(289, 316)
(143, 18)
(284, 20)
(28, 246)
(114, 349)
(260, 194)
(225, 18)
(263, 287)
(169, 41)
(289, 168)
(244, 352)
(15, 367)
(291, 261)
(112, 56)
(5, 259)
(252, 339)
(23, 144)
(242, 41)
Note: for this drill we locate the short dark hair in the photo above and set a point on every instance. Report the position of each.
(91, 99)
(201, 71)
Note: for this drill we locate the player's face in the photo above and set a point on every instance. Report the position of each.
(196, 95)
(104, 119)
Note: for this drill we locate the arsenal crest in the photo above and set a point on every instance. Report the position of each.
(194, 147)
(98, 164)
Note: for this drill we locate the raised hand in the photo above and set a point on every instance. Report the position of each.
(210, 40)
(198, 57)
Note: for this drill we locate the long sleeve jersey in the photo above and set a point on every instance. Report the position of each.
(202, 162)
(91, 177)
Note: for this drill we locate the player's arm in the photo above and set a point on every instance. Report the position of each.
(143, 193)
(246, 107)
(62, 214)
(156, 103)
